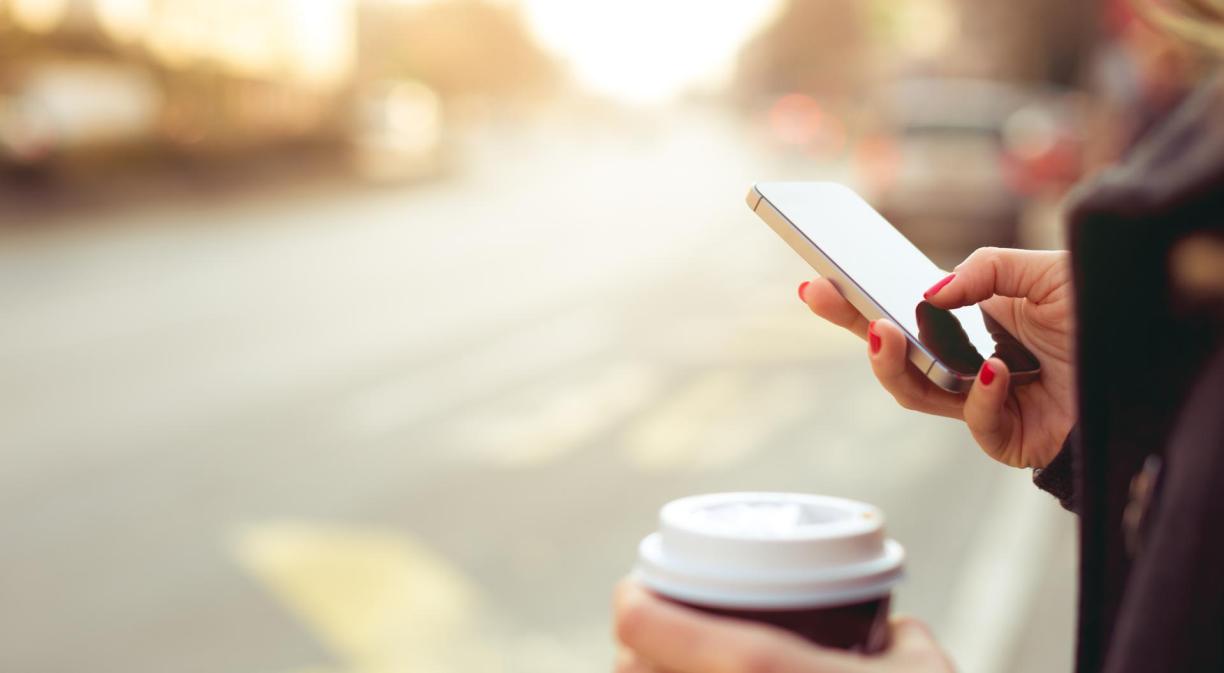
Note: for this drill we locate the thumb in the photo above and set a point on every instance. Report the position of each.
(992, 427)
(1028, 274)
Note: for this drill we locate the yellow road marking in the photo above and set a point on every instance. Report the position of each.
(380, 602)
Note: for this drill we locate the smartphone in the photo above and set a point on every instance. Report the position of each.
(883, 275)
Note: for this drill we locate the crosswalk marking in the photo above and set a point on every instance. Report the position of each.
(719, 419)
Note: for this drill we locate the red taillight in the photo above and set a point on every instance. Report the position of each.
(795, 119)
(1058, 165)
(877, 161)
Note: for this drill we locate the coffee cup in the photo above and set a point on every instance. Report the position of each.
(815, 565)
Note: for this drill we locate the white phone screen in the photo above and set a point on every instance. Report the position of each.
(892, 271)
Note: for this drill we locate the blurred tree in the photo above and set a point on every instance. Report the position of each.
(464, 47)
(816, 47)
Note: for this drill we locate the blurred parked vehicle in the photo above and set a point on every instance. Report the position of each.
(951, 162)
(56, 107)
(397, 131)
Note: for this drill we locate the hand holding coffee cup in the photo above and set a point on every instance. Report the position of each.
(659, 636)
(817, 566)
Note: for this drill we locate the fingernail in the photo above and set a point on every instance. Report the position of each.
(873, 339)
(987, 374)
(938, 286)
(802, 287)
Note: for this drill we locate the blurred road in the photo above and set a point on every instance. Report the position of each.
(342, 428)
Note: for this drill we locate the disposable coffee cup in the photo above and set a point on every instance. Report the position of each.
(816, 565)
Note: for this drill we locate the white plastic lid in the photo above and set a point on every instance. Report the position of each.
(769, 551)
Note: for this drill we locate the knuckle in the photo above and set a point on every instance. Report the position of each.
(929, 657)
(906, 402)
(985, 255)
(631, 665)
(916, 645)
(630, 621)
(908, 623)
(757, 659)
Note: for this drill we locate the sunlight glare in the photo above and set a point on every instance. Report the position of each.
(648, 51)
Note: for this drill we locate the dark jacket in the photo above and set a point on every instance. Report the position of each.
(1145, 466)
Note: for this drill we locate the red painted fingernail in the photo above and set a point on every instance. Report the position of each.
(873, 339)
(802, 287)
(938, 286)
(987, 374)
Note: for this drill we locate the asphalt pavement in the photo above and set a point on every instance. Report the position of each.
(326, 426)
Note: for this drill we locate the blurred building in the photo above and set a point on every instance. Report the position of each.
(1035, 41)
(227, 77)
(838, 47)
(183, 72)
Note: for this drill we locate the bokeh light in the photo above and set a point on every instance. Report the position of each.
(124, 20)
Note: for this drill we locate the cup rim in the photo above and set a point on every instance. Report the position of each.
(859, 517)
(842, 585)
(833, 551)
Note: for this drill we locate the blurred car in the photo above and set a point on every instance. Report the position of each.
(951, 162)
(59, 107)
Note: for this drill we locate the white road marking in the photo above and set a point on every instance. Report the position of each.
(997, 587)
(544, 422)
(720, 419)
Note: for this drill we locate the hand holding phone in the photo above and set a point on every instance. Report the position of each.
(1025, 293)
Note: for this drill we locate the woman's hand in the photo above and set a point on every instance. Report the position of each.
(659, 637)
(1029, 293)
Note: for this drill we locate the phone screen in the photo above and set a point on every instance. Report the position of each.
(892, 271)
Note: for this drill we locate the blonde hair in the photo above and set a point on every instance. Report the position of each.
(1199, 22)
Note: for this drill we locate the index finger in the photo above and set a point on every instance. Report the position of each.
(825, 301)
(1036, 275)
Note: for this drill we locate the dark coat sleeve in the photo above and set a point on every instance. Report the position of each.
(1058, 478)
